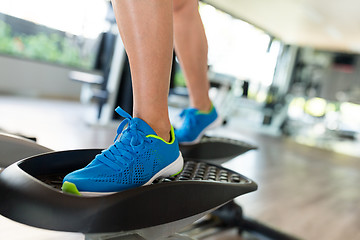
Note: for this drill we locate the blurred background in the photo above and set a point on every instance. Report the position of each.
(283, 72)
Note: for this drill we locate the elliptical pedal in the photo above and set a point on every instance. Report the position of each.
(31, 194)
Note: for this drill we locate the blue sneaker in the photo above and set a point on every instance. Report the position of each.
(195, 124)
(136, 159)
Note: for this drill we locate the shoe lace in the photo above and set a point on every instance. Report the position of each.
(189, 117)
(119, 155)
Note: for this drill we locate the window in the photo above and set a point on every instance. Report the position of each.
(238, 48)
(63, 32)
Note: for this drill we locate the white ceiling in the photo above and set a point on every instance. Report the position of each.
(324, 24)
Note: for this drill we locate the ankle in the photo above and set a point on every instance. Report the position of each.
(203, 107)
(159, 122)
(165, 135)
(162, 129)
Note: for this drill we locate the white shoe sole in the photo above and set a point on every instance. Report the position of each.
(173, 169)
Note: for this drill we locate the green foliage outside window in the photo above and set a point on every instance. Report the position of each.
(44, 47)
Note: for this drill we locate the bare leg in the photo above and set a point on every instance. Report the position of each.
(146, 28)
(191, 48)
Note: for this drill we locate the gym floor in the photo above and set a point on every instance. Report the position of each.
(306, 192)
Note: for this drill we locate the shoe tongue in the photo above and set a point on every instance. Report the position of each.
(144, 127)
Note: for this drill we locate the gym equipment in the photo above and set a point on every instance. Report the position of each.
(230, 216)
(31, 195)
(95, 84)
(14, 148)
(215, 149)
(30, 191)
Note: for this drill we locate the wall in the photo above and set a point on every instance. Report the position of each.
(37, 79)
(334, 83)
(342, 85)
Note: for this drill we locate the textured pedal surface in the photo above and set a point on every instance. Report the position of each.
(194, 171)
(54, 180)
(201, 171)
(197, 189)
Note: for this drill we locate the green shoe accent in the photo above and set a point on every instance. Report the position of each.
(69, 187)
(176, 173)
(206, 112)
(172, 136)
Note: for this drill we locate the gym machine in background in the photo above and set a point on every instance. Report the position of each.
(31, 194)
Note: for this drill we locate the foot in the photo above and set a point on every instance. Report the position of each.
(195, 125)
(137, 158)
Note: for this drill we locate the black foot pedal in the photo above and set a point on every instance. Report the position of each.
(30, 194)
(215, 149)
(14, 148)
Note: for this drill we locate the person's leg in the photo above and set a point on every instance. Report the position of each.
(192, 49)
(141, 151)
(146, 28)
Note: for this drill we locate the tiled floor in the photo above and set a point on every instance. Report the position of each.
(308, 192)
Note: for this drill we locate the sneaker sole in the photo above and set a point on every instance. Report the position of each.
(218, 121)
(171, 170)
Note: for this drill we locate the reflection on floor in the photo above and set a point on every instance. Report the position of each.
(308, 192)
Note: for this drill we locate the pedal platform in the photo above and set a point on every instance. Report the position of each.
(30, 194)
(215, 149)
(14, 148)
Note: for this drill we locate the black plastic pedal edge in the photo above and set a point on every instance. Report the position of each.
(27, 200)
(215, 148)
